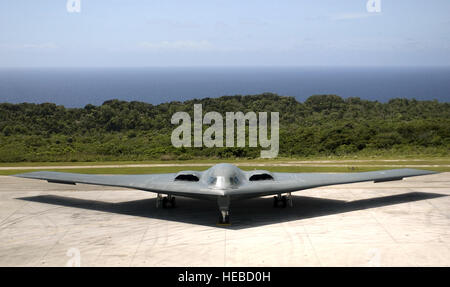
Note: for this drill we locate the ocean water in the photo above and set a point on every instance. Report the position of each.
(74, 87)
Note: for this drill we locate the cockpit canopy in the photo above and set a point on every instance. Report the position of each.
(223, 180)
(224, 176)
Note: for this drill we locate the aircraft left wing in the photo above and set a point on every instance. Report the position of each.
(159, 183)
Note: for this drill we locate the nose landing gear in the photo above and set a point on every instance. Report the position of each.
(224, 208)
(224, 217)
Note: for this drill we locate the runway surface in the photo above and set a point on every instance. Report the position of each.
(400, 223)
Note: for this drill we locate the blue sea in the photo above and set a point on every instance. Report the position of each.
(76, 87)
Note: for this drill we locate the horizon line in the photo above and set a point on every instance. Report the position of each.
(218, 97)
(226, 66)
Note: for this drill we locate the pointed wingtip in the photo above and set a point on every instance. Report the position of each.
(419, 172)
(24, 175)
(34, 174)
(428, 171)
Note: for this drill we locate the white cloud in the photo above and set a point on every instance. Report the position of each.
(30, 46)
(178, 46)
(174, 24)
(353, 16)
(40, 46)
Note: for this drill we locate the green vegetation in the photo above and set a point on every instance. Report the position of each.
(169, 169)
(323, 126)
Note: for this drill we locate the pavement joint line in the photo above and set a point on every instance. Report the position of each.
(15, 211)
(31, 215)
(294, 235)
(53, 246)
(435, 207)
(36, 215)
(312, 246)
(137, 247)
(105, 242)
(225, 249)
(289, 235)
(372, 214)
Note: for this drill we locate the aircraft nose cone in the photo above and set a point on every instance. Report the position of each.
(221, 182)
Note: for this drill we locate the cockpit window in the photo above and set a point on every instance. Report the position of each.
(234, 180)
(212, 180)
(221, 181)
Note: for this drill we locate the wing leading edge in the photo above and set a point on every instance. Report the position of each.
(290, 182)
(281, 182)
(159, 183)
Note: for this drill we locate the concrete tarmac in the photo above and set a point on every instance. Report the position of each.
(400, 223)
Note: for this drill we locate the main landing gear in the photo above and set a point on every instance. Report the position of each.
(283, 201)
(165, 201)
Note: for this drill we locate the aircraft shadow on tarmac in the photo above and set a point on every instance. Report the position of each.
(244, 214)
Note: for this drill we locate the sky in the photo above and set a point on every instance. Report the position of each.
(185, 33)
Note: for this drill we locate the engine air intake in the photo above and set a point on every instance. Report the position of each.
(260, 176)
(186, 177)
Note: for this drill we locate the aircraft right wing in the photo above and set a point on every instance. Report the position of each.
(290, 182)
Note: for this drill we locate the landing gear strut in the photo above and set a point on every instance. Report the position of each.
(285, 200)
(224, 208)
(224, 217)
(165, 201)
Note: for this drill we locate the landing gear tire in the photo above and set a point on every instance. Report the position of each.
(224, 219)
(275, 201)
(280, 199)
(168, 202)
(283, 201)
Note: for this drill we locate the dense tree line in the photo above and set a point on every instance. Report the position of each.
(322, 125)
